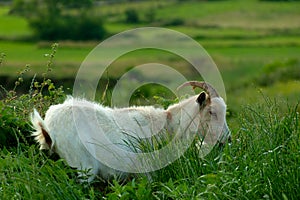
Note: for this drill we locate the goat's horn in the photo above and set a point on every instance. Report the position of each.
(205, 86)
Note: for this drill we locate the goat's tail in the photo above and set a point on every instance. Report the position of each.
(41, 132)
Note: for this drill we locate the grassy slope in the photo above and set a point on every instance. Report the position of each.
(260, 27)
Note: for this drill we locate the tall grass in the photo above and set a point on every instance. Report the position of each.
(261, 163)
(267, 157)
(28, 174)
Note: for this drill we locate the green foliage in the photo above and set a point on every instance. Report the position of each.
(134, 189)
(62, 20)
(81, 27)
(173, 22)
(280, 71)
(29, 174)
(150, 15)
(22, 8)
(15, 109)
(164, 102)
(131, 16)
(147, 95)
(13, 128)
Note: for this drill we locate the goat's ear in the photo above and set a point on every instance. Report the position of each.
(201, 99)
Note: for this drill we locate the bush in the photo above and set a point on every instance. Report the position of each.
(174, 22)
(15, 109)
(61, 20)
(12, 128)
(279, 71)
(131, 16)
(83, 27)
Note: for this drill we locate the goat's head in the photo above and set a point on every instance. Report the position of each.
(210, 113)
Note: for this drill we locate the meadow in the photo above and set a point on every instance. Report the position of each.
(256, 46)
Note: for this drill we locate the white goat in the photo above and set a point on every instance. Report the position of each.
(67, 125)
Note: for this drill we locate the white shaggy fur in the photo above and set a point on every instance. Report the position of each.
(59, 130)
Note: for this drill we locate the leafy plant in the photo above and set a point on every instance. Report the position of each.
(15, 109)
(134, 189)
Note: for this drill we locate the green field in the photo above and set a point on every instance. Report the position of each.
(256, 47)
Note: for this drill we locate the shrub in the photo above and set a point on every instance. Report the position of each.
(82, 27)
(15, 109)
(12, 127)
(61, 20)
(131, 16)
(279, 71)
(174, 22)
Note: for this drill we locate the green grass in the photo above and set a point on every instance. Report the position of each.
(264, 154)
(242, 47)
(20, 53)
(244, 14)
(28, 174)
(13, 27)
(256, 46)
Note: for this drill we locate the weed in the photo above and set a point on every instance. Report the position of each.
(15, 109)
